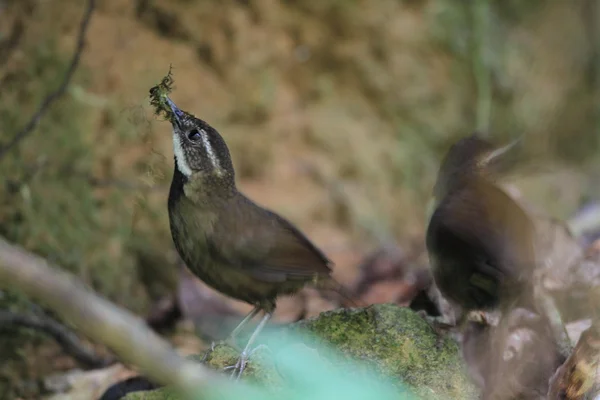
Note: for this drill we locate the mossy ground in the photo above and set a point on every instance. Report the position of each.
(383, 340)
(396, 342)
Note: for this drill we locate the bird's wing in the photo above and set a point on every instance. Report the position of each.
(463, 243)
(485, 219)
(265, 245)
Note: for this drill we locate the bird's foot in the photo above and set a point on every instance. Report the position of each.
(208, 352)
(476, 316)
(438, 324)
(563, 342)
(483, 317)
(240, 366)
(547, 304)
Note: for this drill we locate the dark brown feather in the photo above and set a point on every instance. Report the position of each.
(481, 232)
(266, 246)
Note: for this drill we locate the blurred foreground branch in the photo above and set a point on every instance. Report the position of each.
(35, 119)
(67, 339)
(8, 45)
(124, 333)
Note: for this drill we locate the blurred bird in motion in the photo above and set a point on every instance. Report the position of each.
(480, 242)
(233, 245)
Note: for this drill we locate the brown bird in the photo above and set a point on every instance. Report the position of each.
(481, 243)
(235, 246)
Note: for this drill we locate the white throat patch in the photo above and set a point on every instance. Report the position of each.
(209, 150)
(182, 164)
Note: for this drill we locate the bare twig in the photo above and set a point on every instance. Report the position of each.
(10, 44)
(35, 119)
(67, 339)
(124, 333)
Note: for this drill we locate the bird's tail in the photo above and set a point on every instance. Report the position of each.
(331, 285)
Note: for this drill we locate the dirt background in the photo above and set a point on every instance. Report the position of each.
(336, 114)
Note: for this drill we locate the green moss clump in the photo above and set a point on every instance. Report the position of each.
(381, 341)
(159, 95)
(396, 342)
(161, 394)
(261, 370)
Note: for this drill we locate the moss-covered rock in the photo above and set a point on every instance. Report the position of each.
(160, 394)
(396, 342)
(382, 340)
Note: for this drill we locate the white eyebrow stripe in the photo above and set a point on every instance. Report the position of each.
(209, 150)
(182, 164)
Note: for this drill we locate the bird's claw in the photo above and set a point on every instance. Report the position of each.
(208, 352)
(438, 324)
(240, 366)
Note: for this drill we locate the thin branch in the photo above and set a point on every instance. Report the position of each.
(67, 339)
(10, 44)
(124, 333)
(52, 97)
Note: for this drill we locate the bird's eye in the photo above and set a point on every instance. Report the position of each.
(194, 135)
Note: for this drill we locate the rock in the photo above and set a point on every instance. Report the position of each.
(160, 394)
(386, 341)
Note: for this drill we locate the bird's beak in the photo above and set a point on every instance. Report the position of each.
(431, 204)
(502, 150)
(177, 119)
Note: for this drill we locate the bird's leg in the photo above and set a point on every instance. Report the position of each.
(549, 309)
(439, 324)
(243, 360)
(491, 317)
(209, 351)
(231, 339)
